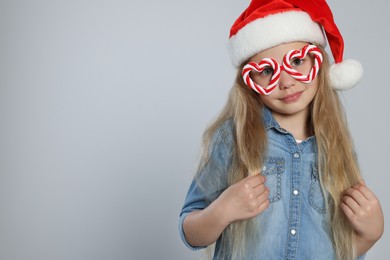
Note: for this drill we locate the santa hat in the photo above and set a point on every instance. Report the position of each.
(267, 23)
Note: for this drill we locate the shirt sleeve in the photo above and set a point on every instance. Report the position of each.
(211, 180)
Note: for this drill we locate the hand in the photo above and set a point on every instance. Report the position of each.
(364, 212)
(244, 199)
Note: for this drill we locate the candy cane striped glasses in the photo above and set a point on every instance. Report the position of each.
(303, 65)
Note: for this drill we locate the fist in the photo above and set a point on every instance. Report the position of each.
(245, 199)
(364, 212)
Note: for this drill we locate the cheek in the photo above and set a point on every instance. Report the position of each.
(307, 69)
(314, 85)
(311, 89)
(268, 100)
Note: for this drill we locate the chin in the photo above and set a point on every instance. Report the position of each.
(289, 109)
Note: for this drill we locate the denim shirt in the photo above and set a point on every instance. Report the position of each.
(295, 225)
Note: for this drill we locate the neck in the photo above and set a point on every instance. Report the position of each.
(297, 124)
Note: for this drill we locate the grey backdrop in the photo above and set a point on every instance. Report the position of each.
(102, 107)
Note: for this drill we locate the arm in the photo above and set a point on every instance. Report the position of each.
(243, 200)
(364, 212)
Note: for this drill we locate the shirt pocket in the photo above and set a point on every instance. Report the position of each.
(316, 194)
(272, 170)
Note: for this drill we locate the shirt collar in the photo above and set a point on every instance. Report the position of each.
(269, 120)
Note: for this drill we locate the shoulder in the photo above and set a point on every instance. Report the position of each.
(217, 158)
(224, 133)
(222, 142)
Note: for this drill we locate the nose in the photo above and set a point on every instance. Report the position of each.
(285, 80)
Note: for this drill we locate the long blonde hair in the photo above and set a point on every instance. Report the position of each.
(336, 158)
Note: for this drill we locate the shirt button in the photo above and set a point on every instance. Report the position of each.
(295, 192)
(293, 231)
(296, 155)
(264, 168)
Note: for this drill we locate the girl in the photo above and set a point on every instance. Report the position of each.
(278, 178)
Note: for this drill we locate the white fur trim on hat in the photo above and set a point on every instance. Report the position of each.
(346, 74)
(272, 30)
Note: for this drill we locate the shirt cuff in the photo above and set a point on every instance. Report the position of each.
(182, 235)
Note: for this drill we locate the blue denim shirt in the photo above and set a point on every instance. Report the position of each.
(295, 225)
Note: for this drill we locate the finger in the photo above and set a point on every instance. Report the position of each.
(352, 204)
(255, 180)
(366, 192)
(262, 199)
(258, 190)
(263, 206)
(357, 196)
(347, 211)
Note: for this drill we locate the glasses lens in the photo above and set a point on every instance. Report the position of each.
(263, 78)
(303, 65)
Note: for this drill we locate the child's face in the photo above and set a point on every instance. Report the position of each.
(290, 96)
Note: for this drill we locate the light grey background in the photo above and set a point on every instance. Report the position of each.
(102, 107)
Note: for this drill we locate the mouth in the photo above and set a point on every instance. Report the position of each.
(292, 97)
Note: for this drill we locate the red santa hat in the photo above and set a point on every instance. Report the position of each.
(267, 23)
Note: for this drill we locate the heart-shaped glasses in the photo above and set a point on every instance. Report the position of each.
(296, 63)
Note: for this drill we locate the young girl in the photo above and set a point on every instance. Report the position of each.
(279, 178)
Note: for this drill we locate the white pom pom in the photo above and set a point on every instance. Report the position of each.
(346, 74)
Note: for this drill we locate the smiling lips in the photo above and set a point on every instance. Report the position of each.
(292, 97)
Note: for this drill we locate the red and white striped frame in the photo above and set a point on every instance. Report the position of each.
(269, 62)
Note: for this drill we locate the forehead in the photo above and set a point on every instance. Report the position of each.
(278, 51)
